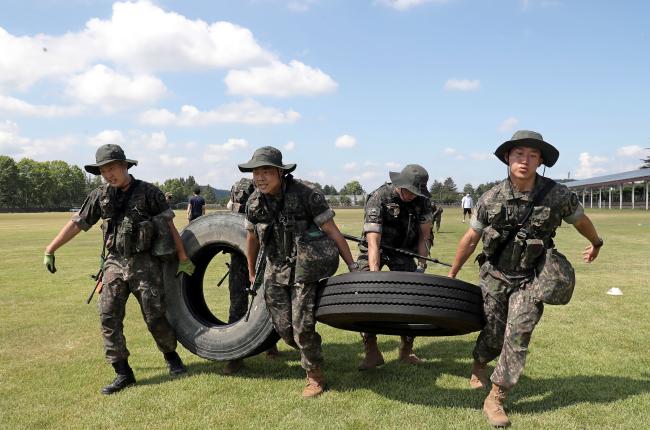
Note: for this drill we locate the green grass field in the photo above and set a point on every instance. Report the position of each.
(588, 367)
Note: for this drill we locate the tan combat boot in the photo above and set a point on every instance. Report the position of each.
(406, 354)
(373, 357)
(315, 384)
(493, 407)
(479, 379)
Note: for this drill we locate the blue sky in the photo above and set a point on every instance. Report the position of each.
(347, 89)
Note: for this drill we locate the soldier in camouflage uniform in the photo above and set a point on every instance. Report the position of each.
(238, 278)
(137, 226)
(437, 215)
(302, 245)
(397, 214)
(510, 261)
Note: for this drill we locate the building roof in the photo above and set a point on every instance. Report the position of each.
(609, 180)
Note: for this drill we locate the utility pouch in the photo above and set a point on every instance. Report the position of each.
(124, 237)
(163, 241)
(555, 279)
(317, 256)
(145, 236)
(518, 246)
(532, 252)
(491, 241)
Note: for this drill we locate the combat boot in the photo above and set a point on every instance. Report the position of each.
(479, 379)
(123, 377)
(272, 353)
(406, 354)
(233, 366)
(174, 363)
(315, 383)
(493, 407)
(373, 357)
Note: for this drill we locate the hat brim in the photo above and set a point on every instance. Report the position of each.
(248, 167)
(550, 154)
(94, 168)
(397, 180)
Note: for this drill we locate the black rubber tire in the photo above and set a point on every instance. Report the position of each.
(401, 303)
(197, 328)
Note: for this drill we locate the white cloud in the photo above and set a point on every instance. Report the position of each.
(172, 161)
(393, 165)
(300, 5)
(20, 107)
(508, 124)
(106, 137)
(244, 112)
(631, 151)
(17, 146)
(346, 141)
(101, 86)
(139, 36)
(462, 84)
(279, 80)
(351, 166)
(402, 5)
(156, 141)
(452, 152)
(589, 165)
(218, 153)
(289, 146)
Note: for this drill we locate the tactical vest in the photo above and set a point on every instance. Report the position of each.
(128, 225)
(293, 237)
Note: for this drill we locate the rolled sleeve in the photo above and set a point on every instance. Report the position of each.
(372, 227)
(575, 216)
(90, 211)
(168, 214)
(82, 223)
(323, 217)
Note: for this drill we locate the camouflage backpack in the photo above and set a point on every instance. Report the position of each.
(239, 194)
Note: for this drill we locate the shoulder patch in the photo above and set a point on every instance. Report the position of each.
(317, 198)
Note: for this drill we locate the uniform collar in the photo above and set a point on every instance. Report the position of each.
(512, 193)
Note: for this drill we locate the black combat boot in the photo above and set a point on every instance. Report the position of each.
(123, 377)
(174, 363)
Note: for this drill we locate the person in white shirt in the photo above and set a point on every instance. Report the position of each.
(467, 203)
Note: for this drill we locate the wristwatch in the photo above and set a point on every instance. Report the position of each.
(599, 243)
(353, 266)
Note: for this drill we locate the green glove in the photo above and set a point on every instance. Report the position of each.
(186, 267)
(48, 260)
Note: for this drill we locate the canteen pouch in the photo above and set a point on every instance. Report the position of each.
(317, 256)
(163, 241)
(145, 236)
(555, 279)
(534, 249)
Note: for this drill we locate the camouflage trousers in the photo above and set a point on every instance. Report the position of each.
(237, 284)
(396, 263)
(292, 309)
(511, 316)
(141, 275)
(436, 223)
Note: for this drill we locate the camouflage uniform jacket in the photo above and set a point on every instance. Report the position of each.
(240, 192)
(296, 245)
(128, 228)
(397, 221)
(498, 212)
(436, 210)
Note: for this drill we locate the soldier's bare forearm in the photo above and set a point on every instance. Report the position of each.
(178, 242)
(465, 249)
(252, 249)
(69, 231)
(374, 242)
(334, 233)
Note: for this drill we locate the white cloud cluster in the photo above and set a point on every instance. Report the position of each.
(402, 5)
(106, 137)
(20, 107)
(289, 146)
(631, 151)
(589, 165)
(217, 153)
(244, 112)
(508, 124)
(279, 80)
(346, 141)
(104, 87)
(17, 146)
(462, 84)
(453, 152)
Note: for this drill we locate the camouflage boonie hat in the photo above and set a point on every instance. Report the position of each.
(531, 139)
(414, 178)
(106, 154)
(266, 156)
